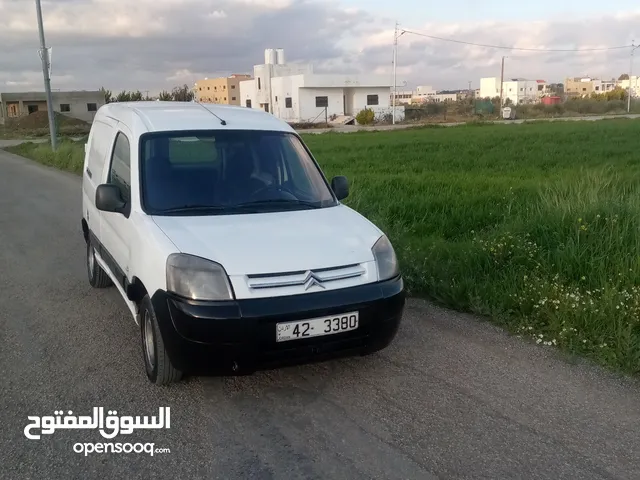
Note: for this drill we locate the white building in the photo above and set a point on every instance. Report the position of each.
(423, 91)
(292, 92)
(517, 90)
(422, 94)
(604, 86)
(635, 85)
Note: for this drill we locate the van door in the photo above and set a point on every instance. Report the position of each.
(98, 150)
(116, 228)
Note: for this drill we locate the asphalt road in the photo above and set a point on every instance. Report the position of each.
(452, 398)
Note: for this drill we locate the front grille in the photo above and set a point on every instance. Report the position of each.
(305, 278)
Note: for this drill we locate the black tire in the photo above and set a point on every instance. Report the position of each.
(160, 370)
(98, 278)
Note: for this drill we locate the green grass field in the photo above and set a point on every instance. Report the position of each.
(536, 226)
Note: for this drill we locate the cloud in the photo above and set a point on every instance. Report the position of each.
(156, 44)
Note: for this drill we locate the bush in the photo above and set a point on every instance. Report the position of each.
(365, 117)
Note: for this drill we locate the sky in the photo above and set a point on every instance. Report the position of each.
(150, 45)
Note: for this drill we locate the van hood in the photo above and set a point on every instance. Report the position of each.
(275, 241)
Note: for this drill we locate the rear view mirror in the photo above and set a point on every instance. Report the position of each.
(340, 186)
(109, 199)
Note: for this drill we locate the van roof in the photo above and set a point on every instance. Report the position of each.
(162, 116)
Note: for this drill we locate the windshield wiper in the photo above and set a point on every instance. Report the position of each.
(281, 201)
(194, 207)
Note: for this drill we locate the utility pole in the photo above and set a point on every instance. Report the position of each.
(633, 48)
(44, 55)
(501, 80)
(395, 62)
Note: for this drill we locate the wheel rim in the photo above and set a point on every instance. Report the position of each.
(149, 343)
(92, 261)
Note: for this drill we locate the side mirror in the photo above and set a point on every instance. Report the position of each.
(109, 199)
(340, 186)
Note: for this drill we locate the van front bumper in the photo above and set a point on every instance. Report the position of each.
(239, 337)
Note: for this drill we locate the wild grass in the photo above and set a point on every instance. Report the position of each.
(536, 226)
(68, 156)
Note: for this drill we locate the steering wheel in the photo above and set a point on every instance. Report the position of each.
(284, 193)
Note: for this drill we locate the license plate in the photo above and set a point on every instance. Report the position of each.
(316, 327)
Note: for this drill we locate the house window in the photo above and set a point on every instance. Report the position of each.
(276, 98)
(65, 107)
(208, 88)
(233, 98)
(322, 101)
(372, 99)
(287, 102)
(259, 83)
(248, 103)
(233, 87)
(92, 107)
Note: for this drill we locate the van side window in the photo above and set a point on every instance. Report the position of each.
(120, 173)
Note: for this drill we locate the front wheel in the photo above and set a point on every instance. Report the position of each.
(159, 368)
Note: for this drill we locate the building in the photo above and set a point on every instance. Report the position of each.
(224, 90)
(604, 86)
(635, 85)
(516, 90)
(585, 86)
(489, 87)
(425, 93)
(551, 100)
(294, 93)
(77, 104)
(404, 97)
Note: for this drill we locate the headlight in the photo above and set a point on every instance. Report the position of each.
(386, 260)
(197, 278)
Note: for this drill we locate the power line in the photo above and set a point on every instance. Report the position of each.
(517, 48)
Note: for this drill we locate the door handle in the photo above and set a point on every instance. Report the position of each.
(89, 174)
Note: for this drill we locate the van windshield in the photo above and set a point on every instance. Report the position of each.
(228, 171)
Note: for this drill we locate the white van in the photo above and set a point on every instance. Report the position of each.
(227, 243)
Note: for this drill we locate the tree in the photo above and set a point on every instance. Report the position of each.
(182, 94)
(624, 76)
(123, 96)
(108, 98)
(165, 96)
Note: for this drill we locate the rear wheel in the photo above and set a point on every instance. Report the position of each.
(159, 368)
(98, 278)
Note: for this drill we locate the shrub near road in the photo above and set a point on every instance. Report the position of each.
(535, 225)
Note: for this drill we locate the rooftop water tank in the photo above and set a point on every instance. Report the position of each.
(270, 56)
(280, 56)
